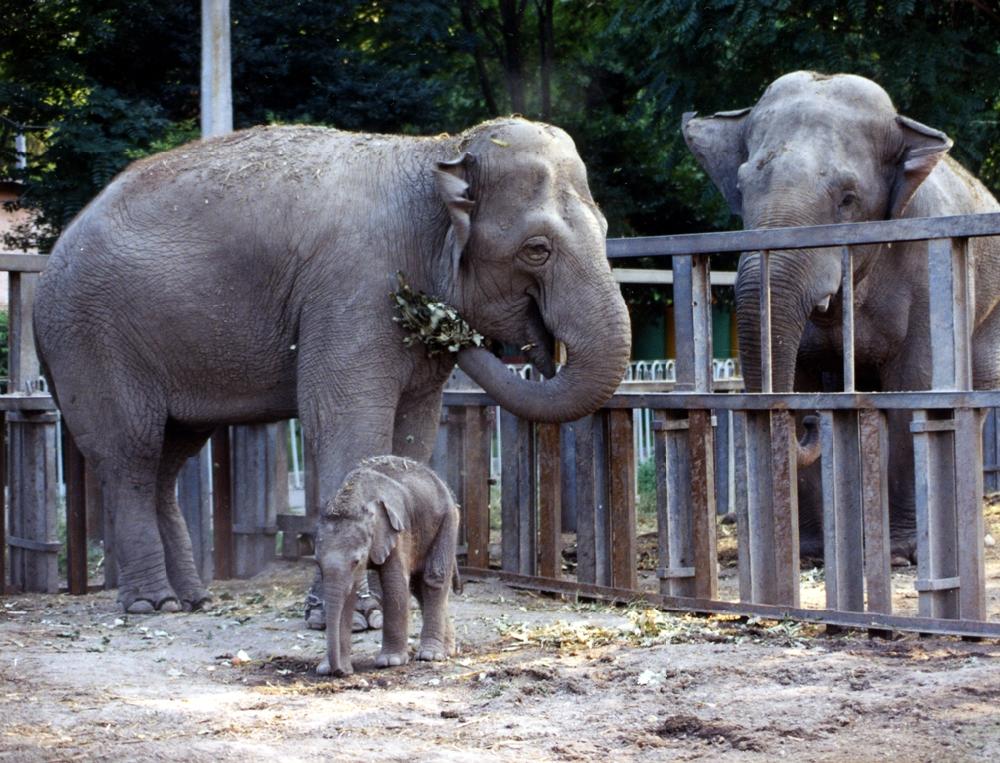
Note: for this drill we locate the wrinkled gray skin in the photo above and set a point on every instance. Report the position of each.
(827, 149)
(247, 278)
(399, 517)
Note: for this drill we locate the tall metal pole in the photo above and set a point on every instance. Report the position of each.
(216, 69)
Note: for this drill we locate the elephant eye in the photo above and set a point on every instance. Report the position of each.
(849, 199)
(535, 251)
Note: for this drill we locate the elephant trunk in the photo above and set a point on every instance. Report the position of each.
(338, 596)
(594, 326)
(800, 281)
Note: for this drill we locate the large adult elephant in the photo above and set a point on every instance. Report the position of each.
(247, 279)
(827, 149)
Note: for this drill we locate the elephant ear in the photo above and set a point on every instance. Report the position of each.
(923, 148)
(452, 182)
(718, 143)
(389, 523)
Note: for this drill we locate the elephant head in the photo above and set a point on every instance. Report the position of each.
(355, 530)
(815, 149)
(524, 260)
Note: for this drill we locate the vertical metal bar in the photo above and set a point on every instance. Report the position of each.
(216, 79)
(785, 508)
(621, 479)
(586, 500)
(741, 478)
(76, 516)
(843, 534)
(476, 483)
(549, 508)
(222, 504)
(847, 293)
(969, 506)
(874, 435)
(766, 384)
(703, 541)
(684, 326)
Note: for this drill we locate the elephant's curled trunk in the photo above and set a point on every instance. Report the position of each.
(598, 341)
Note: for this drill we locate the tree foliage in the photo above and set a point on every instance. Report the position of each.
(105, 81)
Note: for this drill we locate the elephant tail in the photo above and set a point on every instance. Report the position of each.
(456, 579)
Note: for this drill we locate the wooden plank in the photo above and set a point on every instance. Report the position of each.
(678, 567)
(684, 327)
(74, 475)
(874, 435)
(194, 498)
(518, 523)
(941, 280)
(16, 262)
(843, 533)
(549, 503)
(723, 459)
(22, 361)
(704, 543)
(568, 474)
(33, 536)
(260, 493)
(662, 501)
(621, 483)
(847, 322)
(933, 455)
(476, 484)
(222, 504)
(785, 509)
(969, 507)
(666, 277)
(701, 308)
(740, 505)
(3, 503)
(841, 234)
(602, 513)
(586, 500)
(766, 380)
(760, 518)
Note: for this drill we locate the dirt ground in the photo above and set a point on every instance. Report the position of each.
(538, 679)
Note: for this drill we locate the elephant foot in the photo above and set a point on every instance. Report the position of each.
(391, 659)
(367, 615)
(903, 551)
(323, 669)
(433, 651)
(146, 604)
(192, 602)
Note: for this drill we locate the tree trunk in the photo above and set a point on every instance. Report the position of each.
(546, 53)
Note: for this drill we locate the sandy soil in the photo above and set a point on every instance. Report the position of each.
(538, 679)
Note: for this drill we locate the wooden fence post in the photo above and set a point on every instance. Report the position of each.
(260, 493)
(476, 484)
(518, 502)
(76, 515)
(194, 496)
(222, 504)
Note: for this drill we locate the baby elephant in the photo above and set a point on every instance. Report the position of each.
(399, 517)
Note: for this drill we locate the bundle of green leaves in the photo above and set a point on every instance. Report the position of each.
(432, 322)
